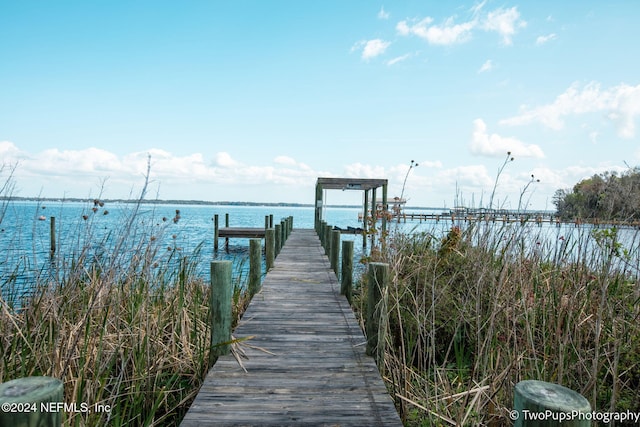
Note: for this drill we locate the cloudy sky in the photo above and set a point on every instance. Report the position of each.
(253, 100)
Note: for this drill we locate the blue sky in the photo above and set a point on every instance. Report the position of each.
(253, 100)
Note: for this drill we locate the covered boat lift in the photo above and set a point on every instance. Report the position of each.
(369, 186)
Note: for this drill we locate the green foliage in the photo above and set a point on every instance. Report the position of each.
(477, 310)
(605, 196)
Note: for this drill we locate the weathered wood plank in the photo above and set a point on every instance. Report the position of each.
(305, 361)
(241, 232)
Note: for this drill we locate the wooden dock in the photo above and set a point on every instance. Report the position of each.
(305, 361)
(242, 232)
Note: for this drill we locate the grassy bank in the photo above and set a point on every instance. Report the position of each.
(472, 312)
(122, 320)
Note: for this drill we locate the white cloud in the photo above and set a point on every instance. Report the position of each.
(621, 104)
(545, 39)
(445, 34)
(505, 22)
(398, 59)
(359, 170)
(285, 160)
(225, 160)
(383, 14)
(487, 66)
(373, 48)
(494, 145)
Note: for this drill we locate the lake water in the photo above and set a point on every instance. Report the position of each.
(25, 235)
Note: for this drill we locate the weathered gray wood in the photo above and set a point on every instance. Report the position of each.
(346, 276)
(255, 265)
(220, 308)
(52, 232)
(241, 232)
(278, 241)
(304, 357)
(34, 392)
(270, 248)
(216, 232)
(554, 402)
(335, 250)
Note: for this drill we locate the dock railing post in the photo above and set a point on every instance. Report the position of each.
(220, 309)
(270, 247)
(327, 240)
(335, 251)
(278, 239)
(255, 265)
(376, 282)
(31, 392)
(541, 398)
(283, 232)
(346, 275)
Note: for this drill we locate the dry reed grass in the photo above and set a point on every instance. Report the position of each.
(473, 312)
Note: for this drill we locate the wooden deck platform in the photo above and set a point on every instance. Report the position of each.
(305, 363)
(241, 232)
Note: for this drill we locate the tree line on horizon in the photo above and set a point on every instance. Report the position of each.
(604, 196)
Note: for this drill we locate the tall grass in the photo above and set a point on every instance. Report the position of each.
(472, 312)
(122, 320)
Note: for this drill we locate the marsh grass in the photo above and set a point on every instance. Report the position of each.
(121, 318)
(472, 312)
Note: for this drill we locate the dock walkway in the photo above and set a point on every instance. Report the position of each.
(305, 361)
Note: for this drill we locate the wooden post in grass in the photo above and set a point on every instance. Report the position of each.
(555, 404)
(346, 282)
(215, 232)
(255, 265)
(376, 282)
(220, 309)
(278, 239)
(270, 247)
(52, 232)
(335, 250)
(31, 401)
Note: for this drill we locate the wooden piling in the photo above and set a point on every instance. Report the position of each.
(376, 282)
(255, 265)
(552, 401)
(335, 251)
(23, 399)
(327, 240)
(346, 276)
(216, 232)
(52, 232)
(220, 309)
(226, 239)
(270, 247)
(278, 239)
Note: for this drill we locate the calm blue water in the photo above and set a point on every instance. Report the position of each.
(95, 232)
(82, 233)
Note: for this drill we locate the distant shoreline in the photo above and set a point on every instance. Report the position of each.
(210, 203)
